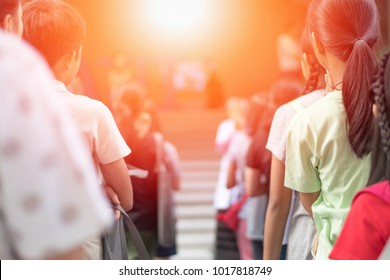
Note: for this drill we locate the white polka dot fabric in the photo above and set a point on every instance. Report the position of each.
(50, 200)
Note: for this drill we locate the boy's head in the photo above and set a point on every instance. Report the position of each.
(11, 16)
(57, 30)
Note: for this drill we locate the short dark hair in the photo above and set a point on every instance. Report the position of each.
(53, 27)
(8, 7)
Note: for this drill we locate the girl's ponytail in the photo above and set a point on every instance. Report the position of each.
(360, 69)
(349, 30)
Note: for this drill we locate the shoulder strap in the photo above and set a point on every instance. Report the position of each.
(381, 190)
(135, 236)
(159, 140)
(296, 105)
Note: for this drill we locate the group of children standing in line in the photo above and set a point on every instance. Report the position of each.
(310, 158)
(61, 210)
(326, 147)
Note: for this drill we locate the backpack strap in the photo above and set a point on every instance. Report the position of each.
(159, 142)
(135, 236)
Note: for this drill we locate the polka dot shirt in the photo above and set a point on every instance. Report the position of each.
(50, 201)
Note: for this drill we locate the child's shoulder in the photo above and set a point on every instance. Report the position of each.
(89, 107)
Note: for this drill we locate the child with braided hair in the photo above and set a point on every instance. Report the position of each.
(301, 230)
(367, 228)
(328, 143)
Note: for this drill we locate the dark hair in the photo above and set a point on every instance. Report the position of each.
(316, 70)
(8, 7)
(380, 90)
(53, 27)
(133, 97)
(281, 92)
(349, 29)
(257, 107)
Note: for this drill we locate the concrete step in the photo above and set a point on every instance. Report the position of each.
(198, 186)
(194, 212)
(196, 240)
(196, 226)
(191, 154)
(200, 175)
(200, 164)
(199, 199)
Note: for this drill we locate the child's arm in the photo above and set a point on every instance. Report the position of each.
(307, 200)
(116, 176)
(277, 211)
(253, 185)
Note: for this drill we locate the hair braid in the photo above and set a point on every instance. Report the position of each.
(379, 91)
(312, 81)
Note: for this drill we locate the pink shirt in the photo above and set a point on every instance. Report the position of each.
(367, 228)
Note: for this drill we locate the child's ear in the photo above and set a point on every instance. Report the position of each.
(68, 59)
(375, 110)
(78, 52)
(305, 65)
(317, 44)
(7, 23)
(319, 49)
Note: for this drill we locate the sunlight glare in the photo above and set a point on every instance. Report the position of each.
(177, 17)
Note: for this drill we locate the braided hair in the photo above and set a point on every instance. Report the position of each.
(380, 93)
(315, 69)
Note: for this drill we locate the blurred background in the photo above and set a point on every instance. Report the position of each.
(190, 56)
(171, 46)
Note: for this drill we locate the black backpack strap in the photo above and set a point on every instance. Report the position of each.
(135, 236)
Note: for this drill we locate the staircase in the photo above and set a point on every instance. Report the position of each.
(192, 131)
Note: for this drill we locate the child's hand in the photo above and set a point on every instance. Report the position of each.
(113, 197)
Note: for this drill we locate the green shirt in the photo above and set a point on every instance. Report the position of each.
(319, 158)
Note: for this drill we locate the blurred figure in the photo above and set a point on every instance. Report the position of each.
(288, 51)
(49, 201)
(214, 91)
(62, 51)
(256, 176)
(11, 16)
(144, 212)
(301, 231)
(132, 99)
(143, 123)
(138, 121)
(171, 160)
(118, 75)
(225, 241)
(259, 160)
(235, 181)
